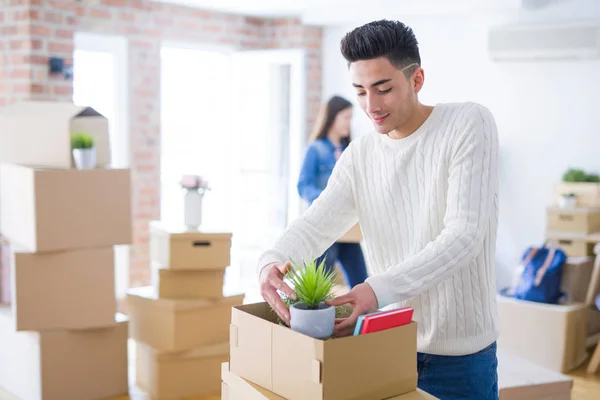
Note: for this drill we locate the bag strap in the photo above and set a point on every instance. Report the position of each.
(542, 271)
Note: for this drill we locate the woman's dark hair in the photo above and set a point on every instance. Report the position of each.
(326, 117)
(390, 39)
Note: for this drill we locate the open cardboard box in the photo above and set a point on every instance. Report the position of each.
(39, 133)
(299, 367)
(46, 209)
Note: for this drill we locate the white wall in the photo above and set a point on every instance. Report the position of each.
(548, 113)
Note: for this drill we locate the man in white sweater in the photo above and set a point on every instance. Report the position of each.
(424, 189)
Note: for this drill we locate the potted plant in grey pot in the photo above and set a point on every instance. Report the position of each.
(84, 152)
(313, 285)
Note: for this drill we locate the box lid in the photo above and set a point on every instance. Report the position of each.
(576, 210)
(48, 109)
(181, 233)
(148, 295)
(200, 352)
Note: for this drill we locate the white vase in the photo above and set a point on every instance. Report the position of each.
(317, 323)
(192, 209)
(567, 201)
(84, 158)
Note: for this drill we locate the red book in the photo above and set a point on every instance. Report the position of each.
(391, 319)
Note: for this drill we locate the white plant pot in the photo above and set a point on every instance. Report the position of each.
(317, 323)
(192, 209)
(84, 158)
(567, 202)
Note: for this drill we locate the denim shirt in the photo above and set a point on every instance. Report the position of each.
(316, 169)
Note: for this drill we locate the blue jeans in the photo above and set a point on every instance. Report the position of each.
(473, 376)
(351, 258)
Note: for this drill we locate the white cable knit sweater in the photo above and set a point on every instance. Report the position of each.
(428, 208)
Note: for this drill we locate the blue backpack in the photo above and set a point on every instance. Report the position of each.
(542, 275)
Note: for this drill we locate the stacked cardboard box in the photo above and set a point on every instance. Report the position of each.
(271, 361)
(181, 322)
(60, 334)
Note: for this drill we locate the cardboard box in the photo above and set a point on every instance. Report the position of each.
(573, 244)
(178, 249)
(519, 379)
(63, 364)
(174, 325)
(67, 289)
(298, 367)
(586, 193)
(188, 284)
(49, 125)
(235, 388)
(553, 336)
(354, 235)
(54, 209)
(578, 220)
(167, 375)
(576, 277)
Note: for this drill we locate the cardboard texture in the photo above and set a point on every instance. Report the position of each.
(354, 235)
(174, 325)
(66, 289)
(196, 250)
(53, 209)
(578, 220)
(553, 336)
(587, 194)
(64, 364)
(519, 379)
(166, 375)
(572, 243)
(49, 124)
(576, 278)
(235, 388)
(188, 284)
(264, 353)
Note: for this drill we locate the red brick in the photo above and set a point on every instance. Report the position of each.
(50, 16)
(1, 17)
(255, 21)
(19, 74)
(212, 28)
(153, 32)
(8, 30)
(54, 47)
(141, 5)
(40, 75)
(36, 44)
(64, 33)
(127, 16)
(132, 30)
(18, 44)
(2, 102)
(40, 30)
(80, 11)
(26, 15)
(38, 88)
(164, 21)
(62, 4)
(201, 14)
(62, 90)
(100, 13)
(115, 3)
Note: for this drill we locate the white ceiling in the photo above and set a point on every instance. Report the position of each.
(338, 11)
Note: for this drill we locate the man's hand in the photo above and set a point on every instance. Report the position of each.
(271, 279)
(363, 301)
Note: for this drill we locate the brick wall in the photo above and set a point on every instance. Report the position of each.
(33, 30)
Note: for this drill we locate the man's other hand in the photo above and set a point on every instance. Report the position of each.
(271, 280)
(363, 301)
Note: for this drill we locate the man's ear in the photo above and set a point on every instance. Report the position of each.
(418, 79)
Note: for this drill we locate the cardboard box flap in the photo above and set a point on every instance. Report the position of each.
(180, 233)
(578, 210)
(221, 349)
(148, 294)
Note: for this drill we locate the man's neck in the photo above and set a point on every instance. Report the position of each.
(419, 116)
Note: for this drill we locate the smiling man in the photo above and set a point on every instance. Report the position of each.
(424, 189)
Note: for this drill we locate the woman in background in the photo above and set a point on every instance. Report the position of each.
(330, 138)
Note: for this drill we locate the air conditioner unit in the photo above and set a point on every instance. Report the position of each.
(556, 41)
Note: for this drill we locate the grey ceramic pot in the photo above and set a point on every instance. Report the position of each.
(85, 158)
(315, 323)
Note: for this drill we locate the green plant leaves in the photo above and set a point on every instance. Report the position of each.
(579, 175)
(81, 141)
(312, 283)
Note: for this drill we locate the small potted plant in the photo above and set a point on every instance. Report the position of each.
(195, 187)
(568, 200)
(313, 285)
(84, 152)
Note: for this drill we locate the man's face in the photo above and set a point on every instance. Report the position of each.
(384, 92)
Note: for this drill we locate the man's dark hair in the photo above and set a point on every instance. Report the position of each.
(384, 38)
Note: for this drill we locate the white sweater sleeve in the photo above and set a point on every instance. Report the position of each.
(329, 217)
(472, 180)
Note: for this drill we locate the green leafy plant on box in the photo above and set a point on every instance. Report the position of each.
(573, 175)
(82, 141)
(313, 284)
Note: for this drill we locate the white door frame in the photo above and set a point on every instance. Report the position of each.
(118, 47)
